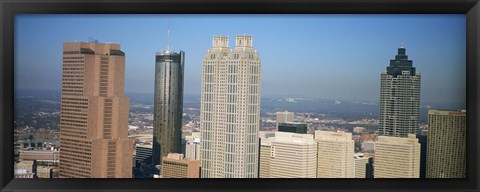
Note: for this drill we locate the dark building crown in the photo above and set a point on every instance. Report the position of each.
(400, 63)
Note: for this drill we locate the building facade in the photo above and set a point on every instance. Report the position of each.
(397, 157)
(168, 104)
(94, 112)
(143, 154)
(193, 146)
(293, 127)
(175, 166)
(230, 109)
(360, 165)
(446, 146)
(265, 158)
(288, 155)
(284, 116)
(423, 140)
(51, 156)
(335, 155)
(399, 97)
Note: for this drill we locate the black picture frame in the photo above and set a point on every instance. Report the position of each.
(9, 8)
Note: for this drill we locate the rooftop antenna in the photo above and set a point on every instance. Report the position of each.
(168, 37)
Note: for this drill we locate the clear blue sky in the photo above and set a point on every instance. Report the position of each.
(319, 56)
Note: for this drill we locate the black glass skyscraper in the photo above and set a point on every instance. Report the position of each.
(168, 104)
(399, 97)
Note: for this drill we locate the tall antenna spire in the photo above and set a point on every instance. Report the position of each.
(168, 36)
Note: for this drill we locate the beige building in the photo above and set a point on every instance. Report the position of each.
(94, 113)
(41, 156)
(284, 116)
(29, 166)
(397, 157)
(360, 165)
(446, 148)
(193, 146)
(335, 155)
(265, 157)
(288, 155)
(175, 166)
(44, 172)
(230, 109)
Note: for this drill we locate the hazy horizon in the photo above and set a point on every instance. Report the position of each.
(316, 56)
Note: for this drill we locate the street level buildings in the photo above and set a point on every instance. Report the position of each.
(230, 109)
(446, 146)
(94, 112)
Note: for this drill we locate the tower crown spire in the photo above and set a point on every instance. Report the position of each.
(168, 38)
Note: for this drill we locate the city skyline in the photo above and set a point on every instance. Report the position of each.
(322, 53)
(221, 134)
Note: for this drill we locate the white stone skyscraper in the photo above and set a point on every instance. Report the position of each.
(230, 109)
(399, 97)
(397, 157)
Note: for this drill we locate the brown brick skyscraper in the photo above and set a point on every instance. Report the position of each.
(94, 113)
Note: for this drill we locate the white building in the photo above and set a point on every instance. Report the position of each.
(288, 155)
(335, 155)
(360, 165)
(284, 116)
(192, 146)
(397, 157)
(368, 146)
(230, 109)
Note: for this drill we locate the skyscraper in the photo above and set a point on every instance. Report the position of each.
(168, 104)
(230, 109)
(335, 155)
(397, 157)
(446, 146)
(399, 97)
(288, 155)
(94, 113)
